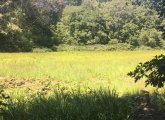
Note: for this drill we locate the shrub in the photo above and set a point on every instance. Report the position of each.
(113, 41)
(120, 46)
(38, 50)
(16, 43)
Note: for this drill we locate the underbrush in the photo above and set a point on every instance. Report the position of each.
(97, 47)
(77, 105)
(74, 105)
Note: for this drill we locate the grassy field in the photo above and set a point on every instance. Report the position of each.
(92, 69)
(27, 75)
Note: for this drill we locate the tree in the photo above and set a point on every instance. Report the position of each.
(11, 32)
(153, 71)
(26, 24)
(158, 5)
(38, 19)
(150, 37)
(100, 22)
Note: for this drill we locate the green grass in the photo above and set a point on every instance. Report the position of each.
(86, 80)
(100, 105)
(93, 69)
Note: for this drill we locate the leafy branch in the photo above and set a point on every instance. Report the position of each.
(153, 71)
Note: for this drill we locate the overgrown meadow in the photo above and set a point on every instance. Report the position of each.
(82, 53)
(70, 85)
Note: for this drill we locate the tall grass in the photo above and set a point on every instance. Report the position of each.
(93, 105)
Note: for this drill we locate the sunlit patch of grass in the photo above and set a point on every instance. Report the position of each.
(92, 69)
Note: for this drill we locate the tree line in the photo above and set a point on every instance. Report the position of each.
(46, 23)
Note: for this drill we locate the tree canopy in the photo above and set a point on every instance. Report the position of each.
(100, 23)
(45, 23)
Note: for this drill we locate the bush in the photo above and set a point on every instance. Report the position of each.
(38, 50)
(96, 47)
(120, 46)
(144, 48)
(113, 42)
(3, 100)
(163, 44)
(16, 43)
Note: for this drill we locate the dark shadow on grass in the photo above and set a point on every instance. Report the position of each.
(92, 105)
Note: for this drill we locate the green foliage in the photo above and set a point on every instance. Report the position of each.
(12, 35)
(120, 46)
(96, 47)
(158, 5)
(163, 28)
(34, 23)
(24, 24)
(145, 48)
(73, 105)
(41, 50)
(3, 100)
(163, 44)
(99, 23)
(73, 2)
(158, 100)
(152, 70)
(150, 37)
(79, 26)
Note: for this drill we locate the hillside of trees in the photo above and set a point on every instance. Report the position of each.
(29, 24)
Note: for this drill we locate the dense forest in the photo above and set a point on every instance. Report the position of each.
(29, 24)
